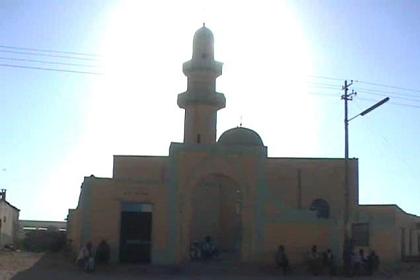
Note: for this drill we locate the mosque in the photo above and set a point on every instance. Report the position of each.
(154, 207)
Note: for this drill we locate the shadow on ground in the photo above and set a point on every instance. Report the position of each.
(56, 266)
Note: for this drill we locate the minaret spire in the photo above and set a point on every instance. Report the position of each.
(201, 101)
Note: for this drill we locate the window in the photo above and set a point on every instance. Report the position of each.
(198, 138)
(360, 234)
(321, 207)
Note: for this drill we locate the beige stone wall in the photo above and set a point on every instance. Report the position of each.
(9, 217)
(407, 230)
(298, 239)
(73, 229)
(319, 178)
(105, 213)
(390, 229)
(151, 168)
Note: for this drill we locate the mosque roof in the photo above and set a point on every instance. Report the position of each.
(240, 136)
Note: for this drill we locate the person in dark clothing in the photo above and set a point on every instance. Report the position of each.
(209, 249)
(281, 259)
(103, 253)
(315, 261)
(372, 263)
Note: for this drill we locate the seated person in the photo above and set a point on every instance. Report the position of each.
(208, 249)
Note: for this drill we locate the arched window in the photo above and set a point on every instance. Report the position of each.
(321, 207)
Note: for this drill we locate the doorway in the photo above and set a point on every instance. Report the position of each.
(216, 212)
(136, 233)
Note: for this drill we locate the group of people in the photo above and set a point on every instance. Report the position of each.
(203, 250)
(319, 262)
(360, 264)
(87, 257)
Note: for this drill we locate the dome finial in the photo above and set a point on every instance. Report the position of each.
(204, 24)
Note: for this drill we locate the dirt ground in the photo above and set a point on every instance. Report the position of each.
(25, 266)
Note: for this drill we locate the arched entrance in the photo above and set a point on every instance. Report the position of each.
(216, 212)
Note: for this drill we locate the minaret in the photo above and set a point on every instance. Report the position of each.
(201, 101)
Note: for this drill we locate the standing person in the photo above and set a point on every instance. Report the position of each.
(329, 262)
(372, 263)
(315, 261)
(81, 257)
(358, 263)
(85, 259)
(282, 260)
(90, 264)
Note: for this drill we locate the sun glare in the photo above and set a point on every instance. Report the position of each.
(266, 59)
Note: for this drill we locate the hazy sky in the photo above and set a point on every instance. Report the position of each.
(57, 127)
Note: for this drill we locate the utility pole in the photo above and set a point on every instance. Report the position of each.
(347, 233)
(346, 97)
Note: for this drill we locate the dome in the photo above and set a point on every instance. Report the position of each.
(203, 34)
(240, 136)
(203, 44)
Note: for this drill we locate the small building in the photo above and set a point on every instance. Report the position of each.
(27, 226)
(9, 217)
(155, 207)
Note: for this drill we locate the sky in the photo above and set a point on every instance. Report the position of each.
(113, 69)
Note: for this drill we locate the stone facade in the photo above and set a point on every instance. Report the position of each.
(9, 225)
(228, 189)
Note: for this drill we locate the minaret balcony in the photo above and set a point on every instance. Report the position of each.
(202, 67)
(215, 99)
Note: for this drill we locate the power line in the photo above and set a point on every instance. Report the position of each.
(390, 92)
(365, 99)
(390, 103)
(323, 94)
(325, 84)
(50, 69)
(388, 86)
(46, 62)
(365, 82)
(393, 96)
(325, 77)
(49, 55)
(49, 51)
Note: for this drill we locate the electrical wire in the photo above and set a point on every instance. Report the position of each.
(46, 62)
(388, 86)
(49, 51)
(325, 77)
(49, 55)
(390, 95)
(50, 69)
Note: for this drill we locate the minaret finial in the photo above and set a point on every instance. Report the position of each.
(240, 123)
